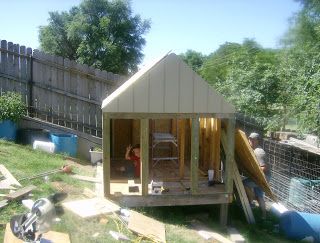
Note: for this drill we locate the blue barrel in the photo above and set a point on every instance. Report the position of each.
(298, 225)
(65, 143)
(8, 130)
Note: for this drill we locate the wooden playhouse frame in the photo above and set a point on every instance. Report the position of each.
(169, 89)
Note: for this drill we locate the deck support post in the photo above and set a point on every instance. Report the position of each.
(194, 154)
(144, 150)
(106, 139)
(182, 139)
(228, 169)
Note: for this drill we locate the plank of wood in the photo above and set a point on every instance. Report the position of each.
(207, 233)
(247, 161)
(147, 226)
(86, 178)
(52, 236)
(9, 176)
(202, 142)
(106, 139)
(216, 148)
(242, 194)
(3, 203)
(182, 137)
(235, 236)
(20, 193)
(239, 185)
(194, 154)
(91, 207)
(4, 186)
(144, 142)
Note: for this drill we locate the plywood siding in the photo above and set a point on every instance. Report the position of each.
(169, 86)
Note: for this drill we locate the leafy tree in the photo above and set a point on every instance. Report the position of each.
(247, 76)
(194, 59)
(301, 62)
(101, 33)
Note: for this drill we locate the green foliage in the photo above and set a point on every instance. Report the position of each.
(11, 107)
(193, 59)
(301, 63)
(246, 74)
(100, 33)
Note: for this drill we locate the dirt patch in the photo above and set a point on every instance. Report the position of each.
(67, 188)
(88, 168)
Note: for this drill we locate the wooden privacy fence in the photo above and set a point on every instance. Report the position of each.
(56, 89)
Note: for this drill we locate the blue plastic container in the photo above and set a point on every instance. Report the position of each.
(65, 143)
(297, 225)
(8, 130)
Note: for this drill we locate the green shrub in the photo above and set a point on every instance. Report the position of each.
(11, 107)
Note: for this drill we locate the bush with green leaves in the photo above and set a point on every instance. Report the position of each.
(11, 107)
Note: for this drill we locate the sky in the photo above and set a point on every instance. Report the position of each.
(176, 25)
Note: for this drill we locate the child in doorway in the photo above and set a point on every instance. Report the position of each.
(133, 154)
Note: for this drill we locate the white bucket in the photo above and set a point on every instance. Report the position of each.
(95, 157)
(44, 146)
(210, 175)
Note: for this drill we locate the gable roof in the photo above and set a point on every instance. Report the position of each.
(167, 85)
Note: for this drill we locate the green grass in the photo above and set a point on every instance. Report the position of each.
(22, 162)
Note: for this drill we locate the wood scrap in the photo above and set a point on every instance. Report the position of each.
(51, 236)
(10, 180)
(86, 178)
(87, 208)
(207, 233)
(5, 186)
(235, 236)
(146, 226)
(3, 203)
(20, 193)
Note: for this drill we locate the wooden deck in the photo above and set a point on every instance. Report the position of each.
(176, 191)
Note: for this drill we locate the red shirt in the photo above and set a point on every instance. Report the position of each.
(136, 159)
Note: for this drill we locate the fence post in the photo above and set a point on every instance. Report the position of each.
(30, 80)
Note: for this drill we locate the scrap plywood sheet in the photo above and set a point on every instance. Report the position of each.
(91, 207)
(147, 226)
(9, 178)
(52, 236)
(247, 162)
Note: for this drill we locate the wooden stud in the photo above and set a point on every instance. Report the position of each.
(228, 169)
(144, 147)
(182, 137)
(239, 185)
(216, 147)
(202, 142)
(106, 139)
(194, 155)
(230, 155)
(207, 143)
